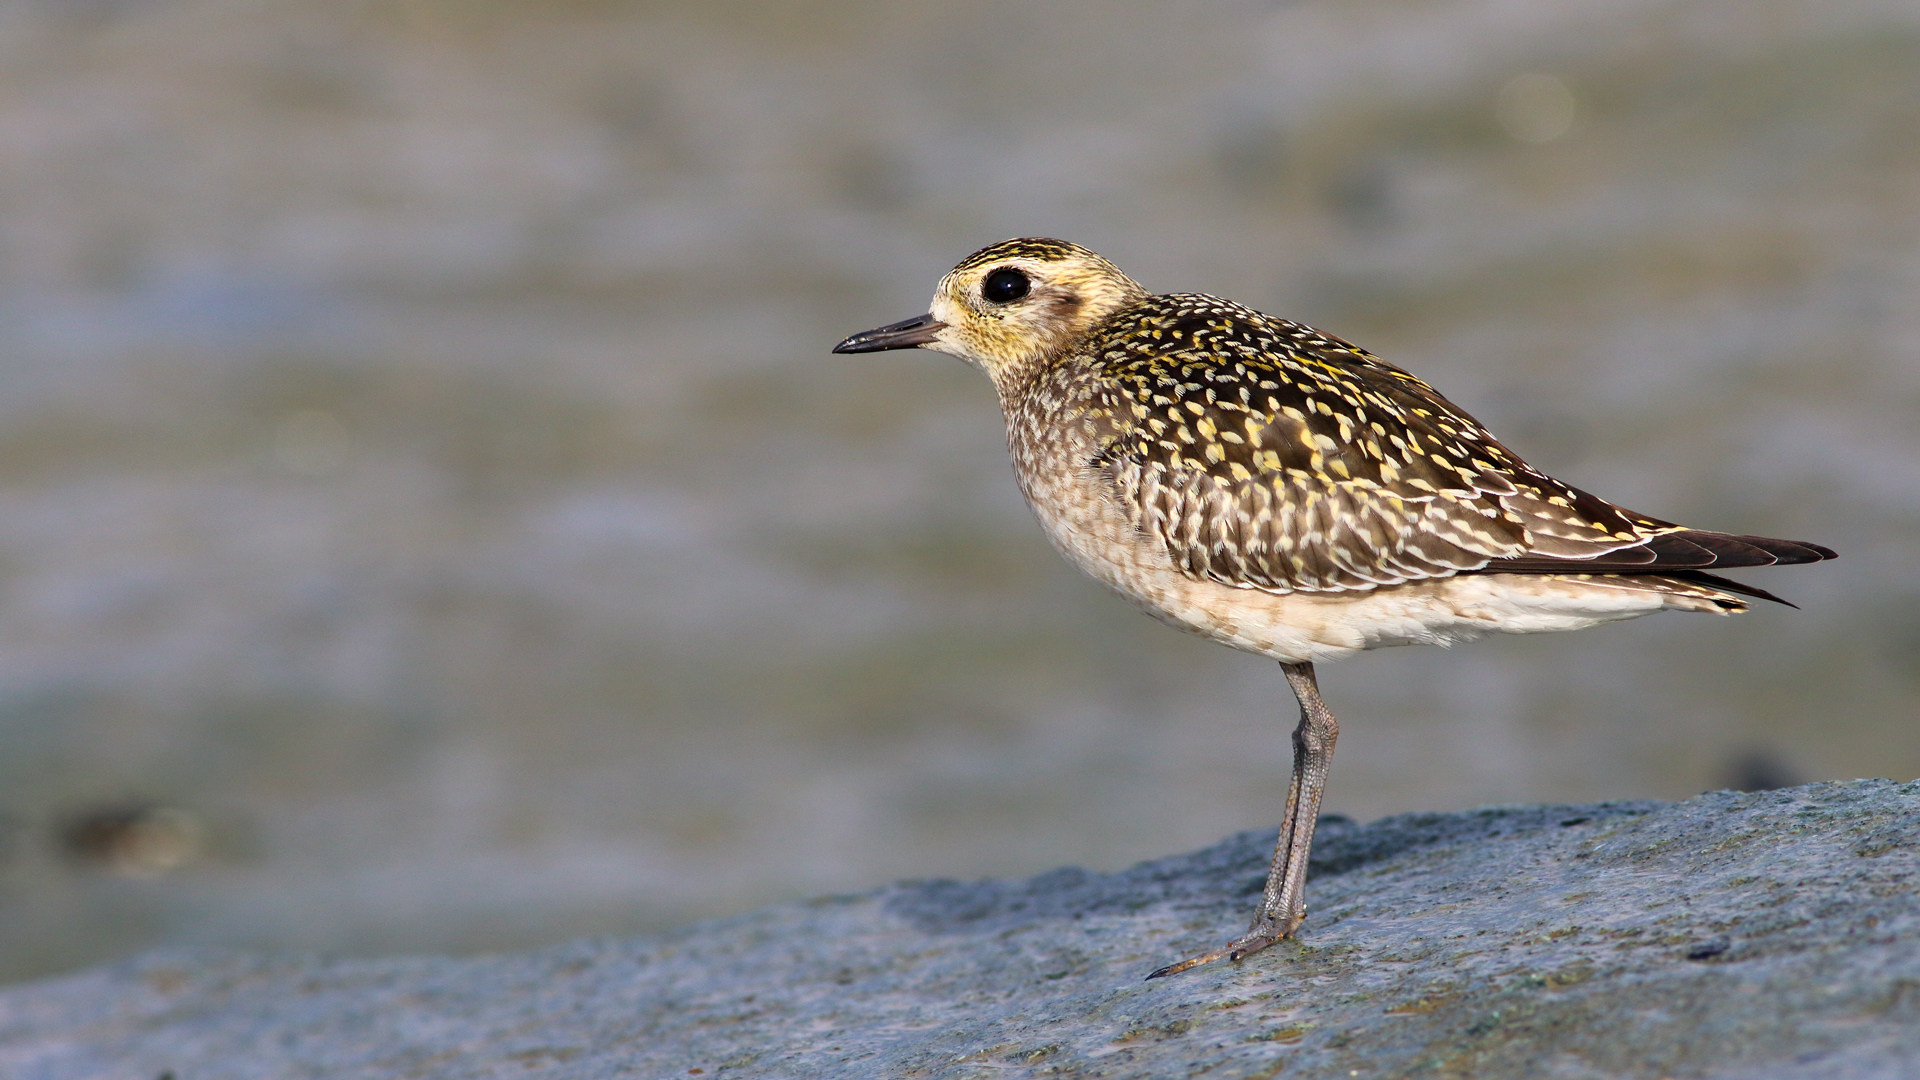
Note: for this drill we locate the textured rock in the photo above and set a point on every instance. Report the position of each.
(1766, 935)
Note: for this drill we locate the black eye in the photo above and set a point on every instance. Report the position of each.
(1005, 285)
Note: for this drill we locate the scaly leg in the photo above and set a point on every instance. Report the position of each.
(1285, 903)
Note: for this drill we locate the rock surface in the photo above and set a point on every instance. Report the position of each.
(1770, 935)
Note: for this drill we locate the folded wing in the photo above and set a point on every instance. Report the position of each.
(1264, 454)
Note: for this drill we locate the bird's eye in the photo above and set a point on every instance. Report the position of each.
(1005, 285)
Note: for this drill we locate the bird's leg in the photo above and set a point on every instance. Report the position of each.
(1285, 903)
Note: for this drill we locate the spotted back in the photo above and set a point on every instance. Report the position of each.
(1265, 454)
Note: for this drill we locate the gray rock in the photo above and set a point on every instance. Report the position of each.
(1770, 935)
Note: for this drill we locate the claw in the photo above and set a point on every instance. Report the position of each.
(1254, 940)
(1191, 962)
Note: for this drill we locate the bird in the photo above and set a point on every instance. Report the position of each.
(1276, 489)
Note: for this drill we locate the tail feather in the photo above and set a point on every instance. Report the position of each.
(1715, 581)
(1687, 549)
(1680, 557)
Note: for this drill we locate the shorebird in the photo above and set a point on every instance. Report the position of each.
(1276, 489)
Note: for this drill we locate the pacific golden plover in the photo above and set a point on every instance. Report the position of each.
(1271, 487)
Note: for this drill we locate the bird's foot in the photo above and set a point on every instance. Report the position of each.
(1266, 930)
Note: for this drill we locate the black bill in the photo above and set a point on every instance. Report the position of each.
(904, 334)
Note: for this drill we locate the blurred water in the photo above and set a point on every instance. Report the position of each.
(429, 516)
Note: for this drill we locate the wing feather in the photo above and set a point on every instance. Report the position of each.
(1263, 454)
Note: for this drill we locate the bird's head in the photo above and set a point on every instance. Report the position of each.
(1006, 306)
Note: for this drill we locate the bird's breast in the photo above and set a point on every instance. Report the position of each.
(1057, 466)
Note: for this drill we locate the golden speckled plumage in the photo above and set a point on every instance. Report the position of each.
(1263, 453)
(1279, 490)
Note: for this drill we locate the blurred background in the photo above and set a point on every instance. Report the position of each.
(430, 518)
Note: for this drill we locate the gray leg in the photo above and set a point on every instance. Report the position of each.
(1285, 903)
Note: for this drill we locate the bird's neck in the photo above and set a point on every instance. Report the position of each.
(1015, 380)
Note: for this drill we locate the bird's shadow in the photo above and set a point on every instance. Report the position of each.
(1224, 875)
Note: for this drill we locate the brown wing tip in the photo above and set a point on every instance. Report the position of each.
(1724, 549)
(1815, 552)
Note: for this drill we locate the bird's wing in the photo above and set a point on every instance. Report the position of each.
(1264, 454)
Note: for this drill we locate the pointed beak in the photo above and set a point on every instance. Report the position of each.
(906, 334)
